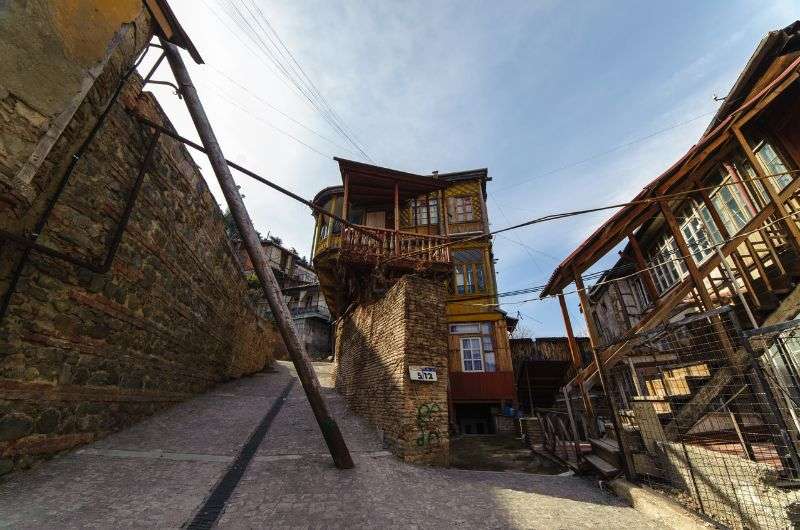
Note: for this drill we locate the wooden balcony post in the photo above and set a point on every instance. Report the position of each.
(443, 211)
(737, 258)
(396, 218)
(577, 360)
(787, 220)
(346, 205)
(641, 266)
(594, 336)
(694, 272)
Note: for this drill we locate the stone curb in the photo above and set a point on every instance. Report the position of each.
(653, 504)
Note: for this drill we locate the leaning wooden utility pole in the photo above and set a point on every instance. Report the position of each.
(302, 363)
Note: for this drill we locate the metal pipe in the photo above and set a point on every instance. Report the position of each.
(255, 176)
(30, 244)
(252, 242)
(16, 273)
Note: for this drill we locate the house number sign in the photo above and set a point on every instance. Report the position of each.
(422, 373)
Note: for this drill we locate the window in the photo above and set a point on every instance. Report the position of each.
(425, 211)
(461, 209)
(730, 199)
(476, 345)
(772, 163)
(698, 234)
(639, 292)
(471, 354)
(468, 271)
(668, 266)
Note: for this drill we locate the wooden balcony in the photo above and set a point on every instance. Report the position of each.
(405, 249)
(481, 386)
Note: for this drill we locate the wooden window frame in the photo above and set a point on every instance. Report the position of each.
(468, 216)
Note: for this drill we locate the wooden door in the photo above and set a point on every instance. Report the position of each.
(376, 219)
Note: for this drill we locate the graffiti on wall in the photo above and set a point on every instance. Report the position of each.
(428, 435)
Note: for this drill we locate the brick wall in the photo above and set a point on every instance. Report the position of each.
(375, 344)
(83, 354)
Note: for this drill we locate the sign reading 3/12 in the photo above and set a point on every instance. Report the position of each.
(422, 373)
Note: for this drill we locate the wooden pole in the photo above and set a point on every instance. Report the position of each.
(694, 272)
(737, 258)
(443, 210)
(575, 353)
(346, 204)
(302, 363)
(397, 218)
(577, 362)
(594, 336)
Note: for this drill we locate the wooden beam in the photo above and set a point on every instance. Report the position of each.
(679, 292)
(396, 207)
(577, 361)
(744, 272)
(791, 225)
(346, 205)
(641, 266)
(694, 272)
(583, 296)
(440, 213)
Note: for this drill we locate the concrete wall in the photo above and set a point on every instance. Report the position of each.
(375, 344)
(83, 354)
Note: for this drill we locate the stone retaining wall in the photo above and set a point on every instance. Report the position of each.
(375, 344)
(83, 354)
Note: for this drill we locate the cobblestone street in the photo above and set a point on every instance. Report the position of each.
(158, 473)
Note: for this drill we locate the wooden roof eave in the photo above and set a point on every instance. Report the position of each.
(632, 216)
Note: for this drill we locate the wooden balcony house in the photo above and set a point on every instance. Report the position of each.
(395, 222)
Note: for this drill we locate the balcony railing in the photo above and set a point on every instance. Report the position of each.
(377, 244)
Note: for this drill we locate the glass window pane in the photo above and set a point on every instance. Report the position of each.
(458, 329)
(490, 365)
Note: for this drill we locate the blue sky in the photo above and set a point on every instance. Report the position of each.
(522, 88)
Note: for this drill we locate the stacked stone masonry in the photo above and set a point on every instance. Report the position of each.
(83, 354)
(376, 343)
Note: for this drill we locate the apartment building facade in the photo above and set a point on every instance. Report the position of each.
(435, 225)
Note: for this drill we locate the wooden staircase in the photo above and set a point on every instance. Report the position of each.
(605, 458)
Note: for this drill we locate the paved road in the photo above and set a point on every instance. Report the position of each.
(159, 473)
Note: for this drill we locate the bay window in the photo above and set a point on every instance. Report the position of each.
(468, 271)
(460, 209)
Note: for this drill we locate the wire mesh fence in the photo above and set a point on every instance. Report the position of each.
(708, 414)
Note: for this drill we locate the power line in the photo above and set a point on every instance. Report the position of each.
(646, 269)
(246, 22)
(305, 75)
(276, 109)
(606, 152)
(573, 213)
(250, 113)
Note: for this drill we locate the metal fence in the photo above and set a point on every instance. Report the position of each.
(708, 414)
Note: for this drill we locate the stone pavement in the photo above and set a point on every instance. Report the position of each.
(158, 473)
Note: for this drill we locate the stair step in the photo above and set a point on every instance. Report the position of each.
(602, 467)
(605, 444)
(606, 449)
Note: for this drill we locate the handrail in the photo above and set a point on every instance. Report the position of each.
(403, 232)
